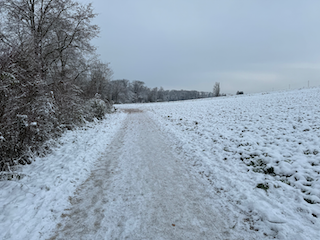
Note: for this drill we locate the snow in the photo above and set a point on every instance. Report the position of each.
(257, 157)
(141, 190)
(260, 152)
(31, 206)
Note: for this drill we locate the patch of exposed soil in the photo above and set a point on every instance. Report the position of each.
(131, 110)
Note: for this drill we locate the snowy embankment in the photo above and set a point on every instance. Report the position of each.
(31, 207)
(260, 152)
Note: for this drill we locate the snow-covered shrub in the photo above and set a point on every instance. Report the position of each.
(28, 113)
(41, 93)
(97, 108)
(32, 113)
(25, 124)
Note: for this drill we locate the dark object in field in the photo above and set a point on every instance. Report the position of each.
(239, 92)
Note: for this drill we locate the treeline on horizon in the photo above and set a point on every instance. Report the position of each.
(125, 91)
(51, 78)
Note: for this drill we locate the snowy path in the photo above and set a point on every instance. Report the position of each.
(141, 190)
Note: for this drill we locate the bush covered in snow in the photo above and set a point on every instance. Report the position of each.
(30, 115)
(97, 108)
(46, 82)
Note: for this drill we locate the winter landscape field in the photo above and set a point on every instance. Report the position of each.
(233, 167)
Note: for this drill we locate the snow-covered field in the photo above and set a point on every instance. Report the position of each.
(31, 207)
(260, 152)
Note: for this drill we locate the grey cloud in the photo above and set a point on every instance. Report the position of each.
(191, 44)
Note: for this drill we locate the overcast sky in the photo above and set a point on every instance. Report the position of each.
(248, 45)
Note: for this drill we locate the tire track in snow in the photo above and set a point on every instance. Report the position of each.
(141, 190)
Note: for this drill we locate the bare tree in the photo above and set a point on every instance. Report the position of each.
(98, 80)
(154, 95)
(49, 32)
(138, 90)
(120, 91)
(216, 89)
(44, 52)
